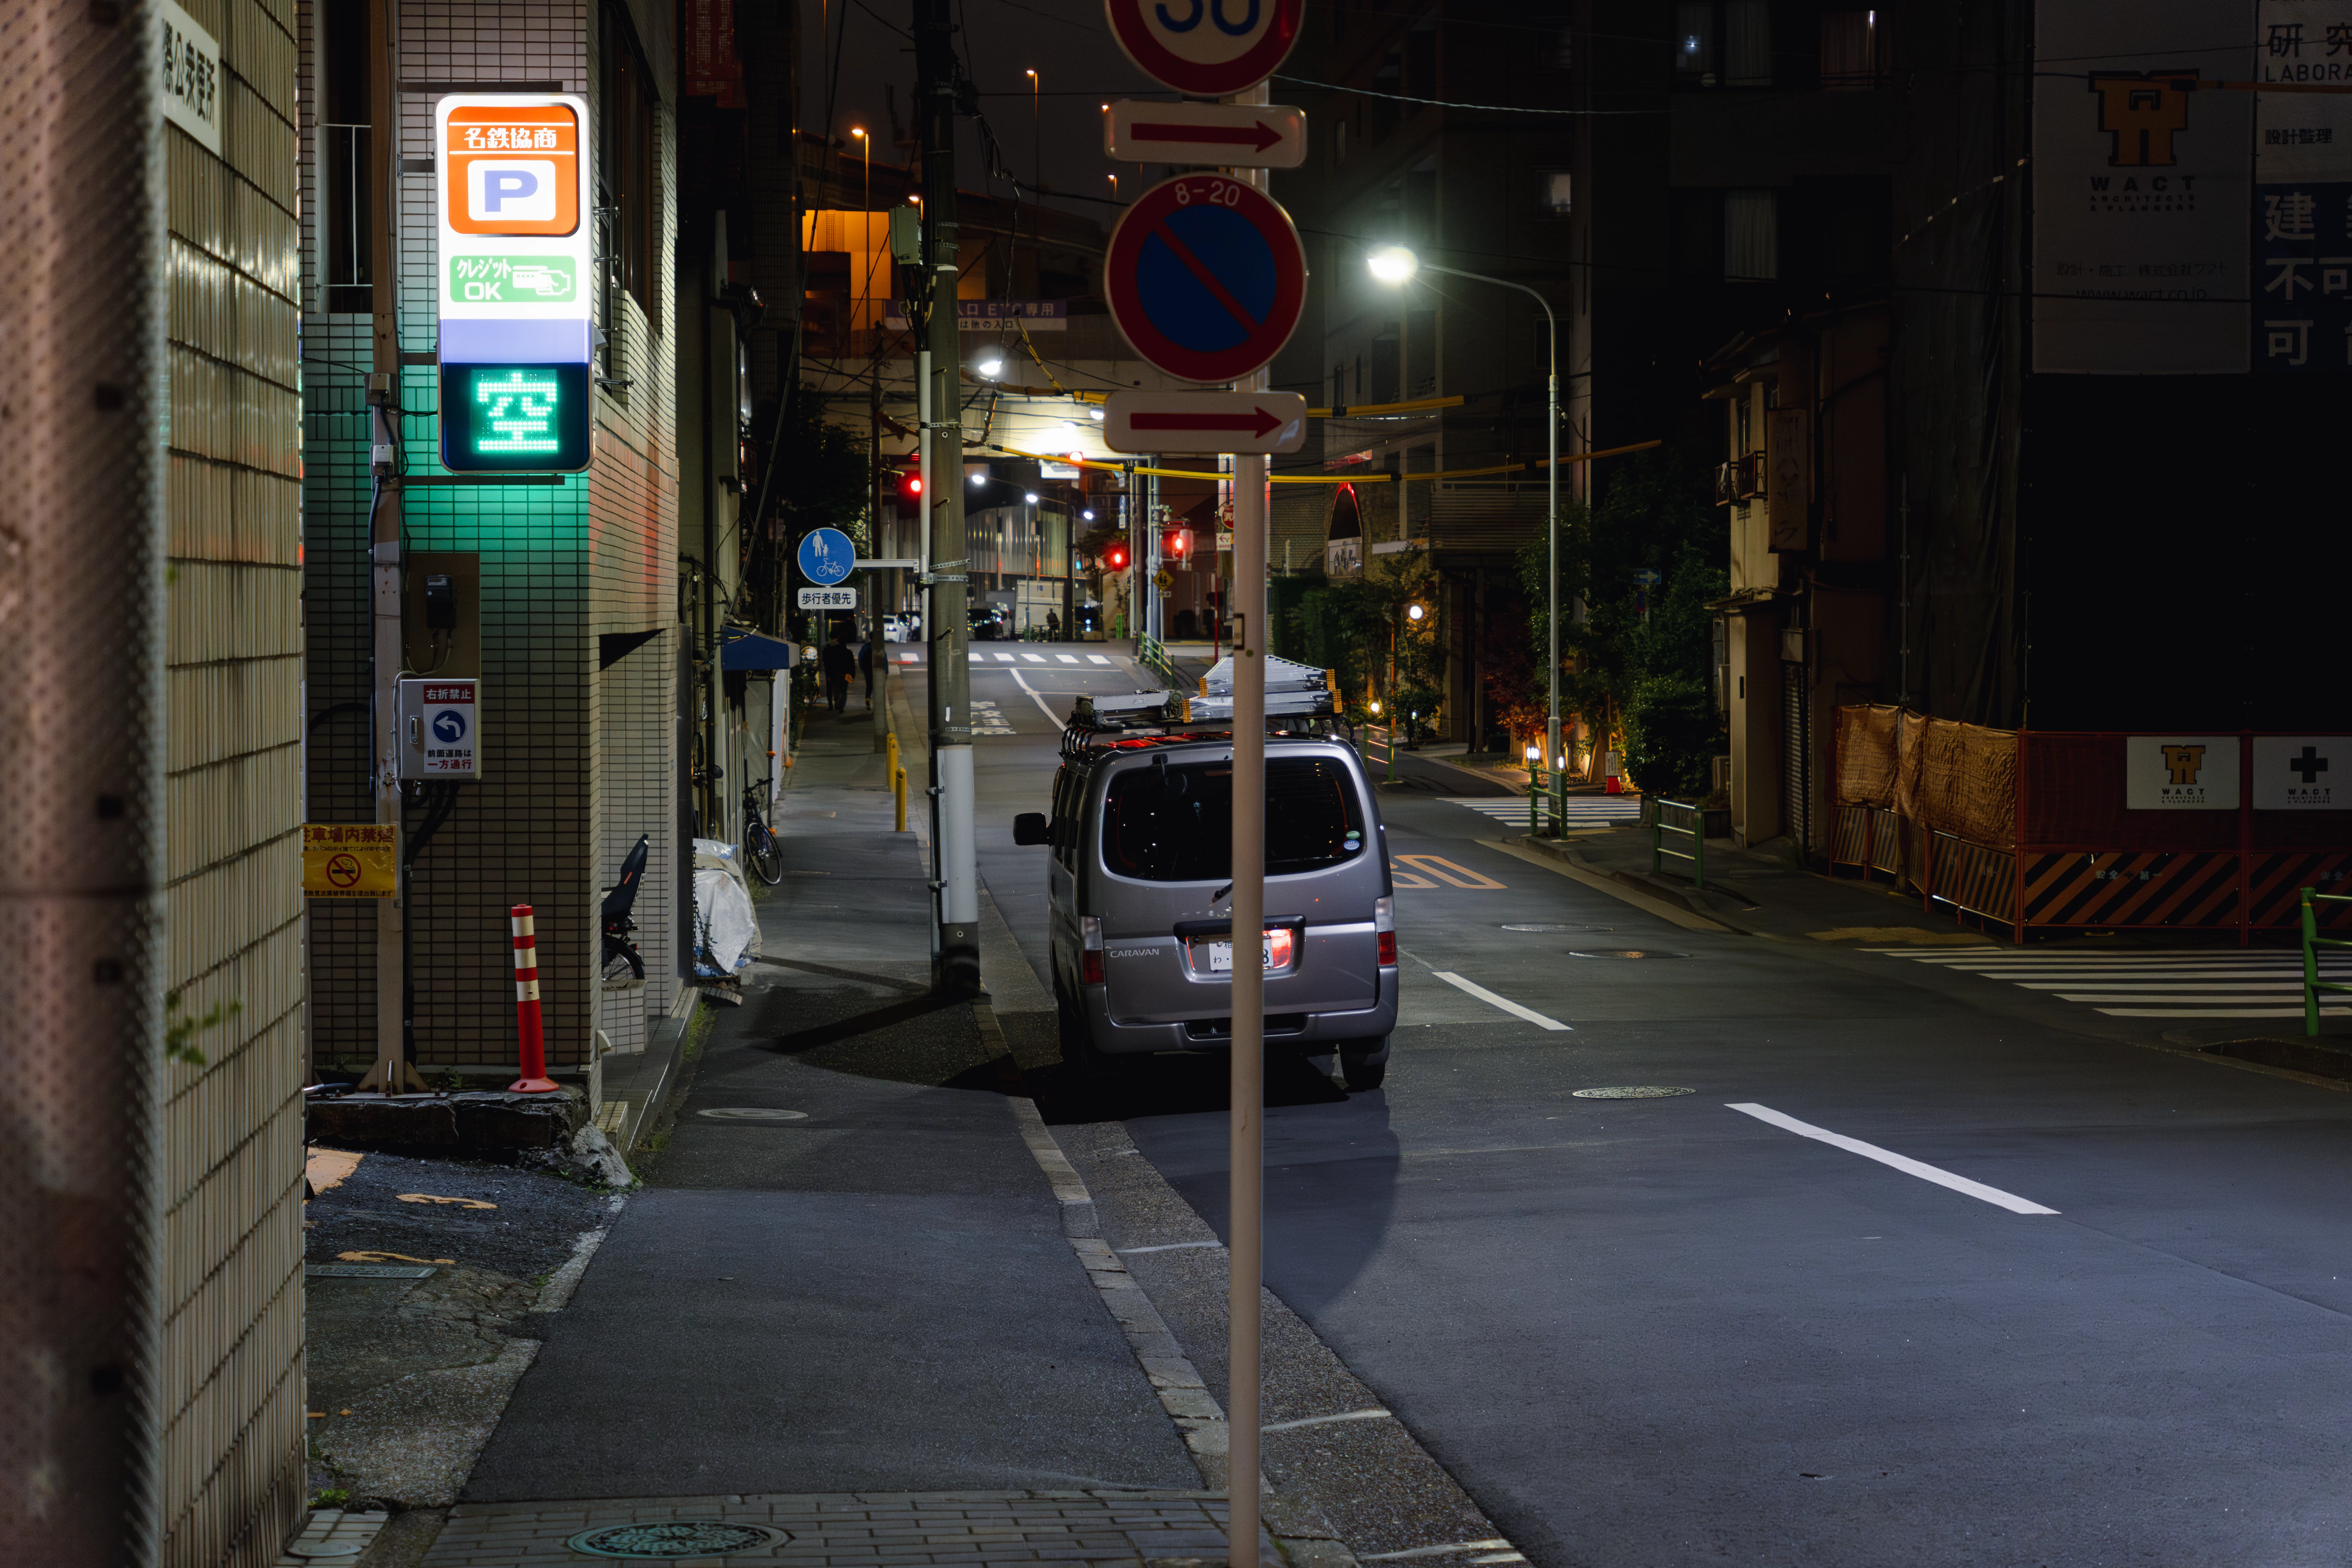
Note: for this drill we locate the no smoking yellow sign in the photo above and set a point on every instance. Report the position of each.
(350, 860)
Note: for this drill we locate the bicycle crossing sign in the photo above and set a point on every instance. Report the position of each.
(1206, 278)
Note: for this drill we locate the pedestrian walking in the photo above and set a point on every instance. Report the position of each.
(838, 664)
(865, 667)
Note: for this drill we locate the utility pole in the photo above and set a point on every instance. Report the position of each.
(392, 1073)
(955, 969)
(84, 246)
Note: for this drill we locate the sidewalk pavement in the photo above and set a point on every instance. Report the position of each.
(842, 1315)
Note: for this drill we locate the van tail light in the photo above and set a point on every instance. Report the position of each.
(1384, 931)
(1090, 950)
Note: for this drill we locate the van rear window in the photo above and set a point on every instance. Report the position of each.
(1175, 823)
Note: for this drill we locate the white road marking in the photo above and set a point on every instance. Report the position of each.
(975, 659)
(1902, 1163)
(1325, 1420)
(1434, 1551)
(1166, 1246)
(1504, 1002)
(1037, 696)
(2209, 985)
(1004, 658)
(1097, 659)
(1587, 808)
(1032, 658)
(1068, 658)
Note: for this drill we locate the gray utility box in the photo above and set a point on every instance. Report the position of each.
(441, 728)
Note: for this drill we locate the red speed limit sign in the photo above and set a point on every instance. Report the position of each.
(1206, 48)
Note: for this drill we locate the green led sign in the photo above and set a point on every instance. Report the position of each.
(514, 418)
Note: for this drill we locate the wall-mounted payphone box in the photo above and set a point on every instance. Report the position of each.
(441, 728)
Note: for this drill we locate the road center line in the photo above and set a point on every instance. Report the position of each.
(1504, 1002)
(1902, 1163)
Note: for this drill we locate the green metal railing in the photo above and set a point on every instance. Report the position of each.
(2312, 942)
(1378, 745)
(1153, 654)
(1692, 824)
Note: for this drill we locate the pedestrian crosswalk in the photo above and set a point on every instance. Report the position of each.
(1584, 810)
(977, 657)
(2222, 984)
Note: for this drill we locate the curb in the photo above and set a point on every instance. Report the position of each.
(1297, 1527)
(1539, 852)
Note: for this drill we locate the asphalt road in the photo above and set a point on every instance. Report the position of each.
(1681, 1330)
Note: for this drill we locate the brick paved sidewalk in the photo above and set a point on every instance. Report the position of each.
(865, 1529)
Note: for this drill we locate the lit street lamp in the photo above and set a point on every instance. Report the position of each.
(1395, 266)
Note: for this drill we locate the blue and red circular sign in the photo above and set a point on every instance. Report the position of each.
(1207, 49)
(1206, 277)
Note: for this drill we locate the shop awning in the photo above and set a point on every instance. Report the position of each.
(742, 649)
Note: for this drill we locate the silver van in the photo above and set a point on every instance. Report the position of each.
(1139, 890)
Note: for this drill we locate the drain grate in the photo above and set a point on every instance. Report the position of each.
(677, 1539)
(754, 1113)
(1634, 1091)
(1628, 952)
(1549, 928)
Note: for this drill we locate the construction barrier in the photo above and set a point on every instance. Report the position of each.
(2078, 829)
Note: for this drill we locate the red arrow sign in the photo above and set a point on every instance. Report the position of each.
(1258, 136)
(1257, 422)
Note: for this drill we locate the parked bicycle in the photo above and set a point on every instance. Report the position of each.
(760, 847)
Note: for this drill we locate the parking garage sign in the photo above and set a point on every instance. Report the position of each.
(514, 279)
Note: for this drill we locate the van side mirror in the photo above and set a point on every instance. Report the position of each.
(1031, 827)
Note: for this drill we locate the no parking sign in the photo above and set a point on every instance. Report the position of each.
(1206, 278)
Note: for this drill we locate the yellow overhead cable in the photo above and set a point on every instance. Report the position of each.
(1530, 466)
(1346, 411)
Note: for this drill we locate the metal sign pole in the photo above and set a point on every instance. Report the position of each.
(1246, 1239)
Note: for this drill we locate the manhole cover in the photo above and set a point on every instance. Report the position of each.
(754, 1113)
(1544, 927)
(1634, 1091)
(1628, 952)
(678, 1539)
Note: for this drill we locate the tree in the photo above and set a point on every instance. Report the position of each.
(1655, 514)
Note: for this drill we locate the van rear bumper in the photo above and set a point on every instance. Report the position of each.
(1298, 1033)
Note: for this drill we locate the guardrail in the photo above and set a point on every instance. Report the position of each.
(1378, 743)
(2312, 941)
(1677, 816)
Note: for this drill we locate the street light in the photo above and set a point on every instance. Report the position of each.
(1395, 265)
(1413, 612)
(992, 367)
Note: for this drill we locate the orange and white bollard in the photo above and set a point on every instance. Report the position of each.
(534, 1080)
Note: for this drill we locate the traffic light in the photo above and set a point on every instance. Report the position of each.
(910, 485)
(1176, 544)
(1114, 557)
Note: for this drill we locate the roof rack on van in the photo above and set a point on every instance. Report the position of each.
(1299, 698)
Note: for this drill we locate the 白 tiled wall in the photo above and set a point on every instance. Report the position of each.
(232, 1411)
(575, 757)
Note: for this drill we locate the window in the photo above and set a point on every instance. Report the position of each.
(1752, 234)
(629, 180)
(1556, 188)
(1849, 50)
(1726, 43)
(347, 171)
(1173, 822)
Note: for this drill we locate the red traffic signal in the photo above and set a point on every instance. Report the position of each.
(1176, 543)
(1115, 557)
(910, 485)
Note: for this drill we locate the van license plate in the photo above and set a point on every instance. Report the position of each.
(1278, 952)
